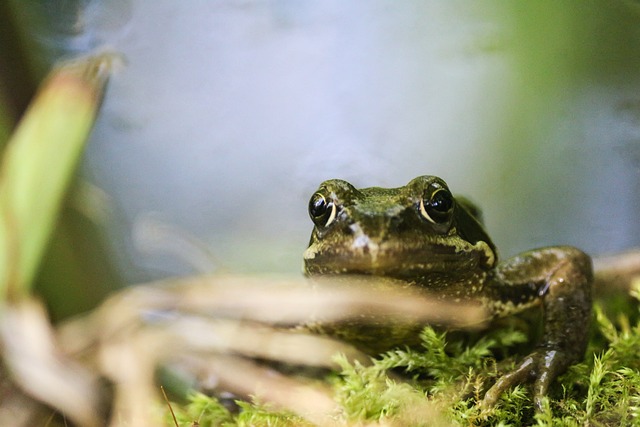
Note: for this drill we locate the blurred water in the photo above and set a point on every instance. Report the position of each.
(229, 114)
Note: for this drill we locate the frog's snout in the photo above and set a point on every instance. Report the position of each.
(369, 248)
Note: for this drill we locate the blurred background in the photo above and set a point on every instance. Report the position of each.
(227, 114)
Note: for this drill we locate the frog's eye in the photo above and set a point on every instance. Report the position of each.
(321, 211)
(437, 206)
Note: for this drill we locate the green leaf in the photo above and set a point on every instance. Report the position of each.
(38, 163)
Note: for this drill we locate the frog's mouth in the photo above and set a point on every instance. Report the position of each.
(403, 260)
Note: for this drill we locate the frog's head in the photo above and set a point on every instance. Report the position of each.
(407, 232)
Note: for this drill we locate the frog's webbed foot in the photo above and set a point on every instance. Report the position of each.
(541, 367)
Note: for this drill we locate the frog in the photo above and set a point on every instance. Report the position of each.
(421, 236)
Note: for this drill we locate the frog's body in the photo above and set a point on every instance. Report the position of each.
(424, 237)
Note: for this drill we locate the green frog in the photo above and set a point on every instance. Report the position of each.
(421, 235)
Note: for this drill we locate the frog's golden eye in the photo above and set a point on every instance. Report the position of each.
(321, 211)
(437, 206)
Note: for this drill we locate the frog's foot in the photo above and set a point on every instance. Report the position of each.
(540, 367)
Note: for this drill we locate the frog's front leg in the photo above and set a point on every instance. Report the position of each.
(561, 279)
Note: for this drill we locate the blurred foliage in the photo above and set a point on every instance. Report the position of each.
(559, 46)
(5, 123)
(76, 273)
(448, 376)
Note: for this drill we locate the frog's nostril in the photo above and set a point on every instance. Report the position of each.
(401, 222)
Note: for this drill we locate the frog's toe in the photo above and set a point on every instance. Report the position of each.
(551, 364)
(513, 378)
(541, 367)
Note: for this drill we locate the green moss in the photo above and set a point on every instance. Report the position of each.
(257, 414)
(201, 410)
(442, 382)
(207, 411)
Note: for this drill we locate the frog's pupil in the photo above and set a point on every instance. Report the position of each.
(321, 211)
(441, 201)
(437, 206)
(317, 206)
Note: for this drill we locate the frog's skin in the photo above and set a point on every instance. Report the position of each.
(422, 236)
